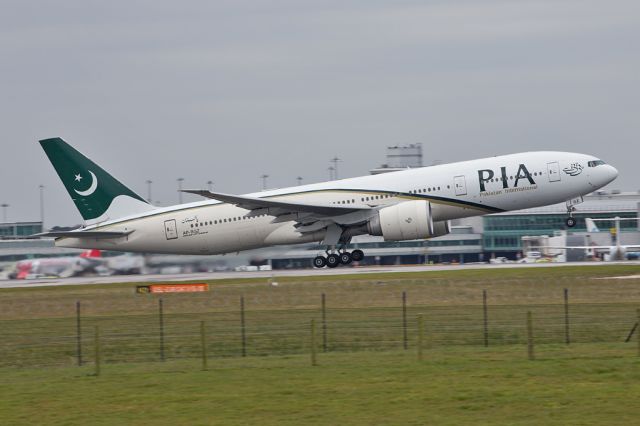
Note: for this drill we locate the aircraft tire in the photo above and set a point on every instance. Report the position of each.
(319, 262)
(333, 260)
(571, 222)
(345, 258)
(357, 255)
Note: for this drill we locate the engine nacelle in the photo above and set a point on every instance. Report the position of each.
(409, 220)
(441, 228)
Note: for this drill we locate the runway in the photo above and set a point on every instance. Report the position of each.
(209, 276)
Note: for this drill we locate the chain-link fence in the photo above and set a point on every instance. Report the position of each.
(164, 329)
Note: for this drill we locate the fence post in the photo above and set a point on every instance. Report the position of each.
(485, 318)
(404, 320)
(161, 320)
(566, 316)
(98, 354)
(324, 323)
(638, 332)
(243, 332)
(314, 360)
(420, 336)
(530, 336)
(203, 343)
(78, 335)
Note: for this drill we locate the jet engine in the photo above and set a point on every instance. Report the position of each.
(409, 220)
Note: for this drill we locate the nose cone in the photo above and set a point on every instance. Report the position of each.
(611, 173)
(603, 175)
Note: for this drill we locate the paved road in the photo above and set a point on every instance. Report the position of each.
(282, 273)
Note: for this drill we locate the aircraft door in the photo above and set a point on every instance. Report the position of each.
(460, 185)
(553, 171)
(170, 229)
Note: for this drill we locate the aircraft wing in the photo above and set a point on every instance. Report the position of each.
(84, 234)
(279, 208)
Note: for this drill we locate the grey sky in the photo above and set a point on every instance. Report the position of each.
(230, 90)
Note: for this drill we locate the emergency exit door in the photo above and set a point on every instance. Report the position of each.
(553, 171)
(170, 229)
(460, 185)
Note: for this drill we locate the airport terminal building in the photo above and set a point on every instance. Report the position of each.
(475, 239)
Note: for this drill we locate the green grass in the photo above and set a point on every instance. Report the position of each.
(364, 378)
(38, 325)
(589, 384)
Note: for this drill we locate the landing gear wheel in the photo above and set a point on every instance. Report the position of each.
(357, 255)
(333, 260)
(345, 258)
(319, 262)
(571, 222)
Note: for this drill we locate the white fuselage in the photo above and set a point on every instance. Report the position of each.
(456, 190)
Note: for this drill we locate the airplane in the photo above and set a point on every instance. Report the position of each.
(615, 252)
(59, 267)
(89, 261)
(409, 204)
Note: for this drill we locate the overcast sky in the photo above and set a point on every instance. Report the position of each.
(230, 90)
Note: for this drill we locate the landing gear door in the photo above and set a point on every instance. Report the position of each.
(170, 229)
(553, 171)
(460, 185)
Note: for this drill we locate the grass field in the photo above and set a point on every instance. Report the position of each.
(364, 377)
(465, 386)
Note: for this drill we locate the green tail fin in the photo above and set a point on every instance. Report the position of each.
(96, 193)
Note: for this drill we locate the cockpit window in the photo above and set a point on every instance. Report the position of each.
(596, 163)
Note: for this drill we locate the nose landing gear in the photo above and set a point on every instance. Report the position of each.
(570, 221)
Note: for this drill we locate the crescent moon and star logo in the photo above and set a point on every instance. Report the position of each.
(92, 188)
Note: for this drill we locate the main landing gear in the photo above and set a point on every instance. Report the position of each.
(334, 260)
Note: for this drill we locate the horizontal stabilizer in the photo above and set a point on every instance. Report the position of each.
(84, 234)
(278, 207)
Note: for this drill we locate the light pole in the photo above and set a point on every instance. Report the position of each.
(210, 185)
(264, 182)
(4, 211)
(331, 169)
(149, 182)
(335, 160)
(180, 180)
(41, 187)
(299, 179)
